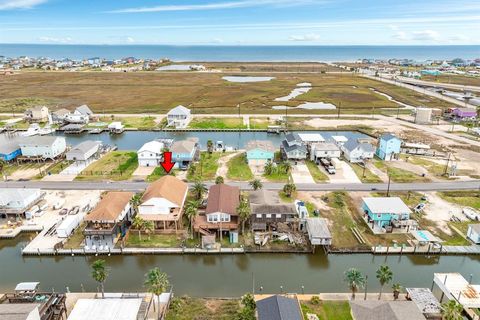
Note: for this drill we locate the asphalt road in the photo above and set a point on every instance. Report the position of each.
(138, 186)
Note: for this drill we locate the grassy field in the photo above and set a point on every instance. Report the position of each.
(399, 175)
(369, 177)
(140, 123)
(155, 92)
(315, 172)
(206, 168)
(187, 308)
(116, 165)
(454, 79)
(238, 168)
(326, 310)
(153, 241)
(217, 123)
(463, 198)
(159, 172)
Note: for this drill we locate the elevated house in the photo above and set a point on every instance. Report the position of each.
(115, 307)
(389, 147)
(58, 116)
(326, 150)
(267, 211)
(278, 307)
(109, 221)
(221, 212)
(179, 117)
(82, 115)
(84, 151)
(293, 148)
(184, 152)
(259, 152)
(318, 232)
(355, 151)
(15, 202)
(150, 154)
(116, 127)
(385, 214)
(9, 147)
(163, 202)
(45, 147)
(309, 138)
(473, 233)
(36, 114)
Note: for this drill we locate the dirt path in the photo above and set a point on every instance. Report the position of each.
(440, 211)
(222, 165)
(379, 173)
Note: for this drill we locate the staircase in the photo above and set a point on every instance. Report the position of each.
(203, 231)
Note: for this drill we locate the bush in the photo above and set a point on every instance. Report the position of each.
(315, 300)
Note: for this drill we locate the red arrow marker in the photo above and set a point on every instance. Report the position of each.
(167, 163)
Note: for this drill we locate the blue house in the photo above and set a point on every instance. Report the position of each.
(388, 147)
(260, 152)
(386, 213)
(9, 148)
(184, 152)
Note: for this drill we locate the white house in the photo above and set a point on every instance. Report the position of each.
(81, 114)
(355, 151)
(179, 117)
(83, 151)
(38, 113)
(150, 154)
(116, 127)
(324, 150)
(17, 201)
(47, 147)
(58, 116)
(85, 110)
(473, 233)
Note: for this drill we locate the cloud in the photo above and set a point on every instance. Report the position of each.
(305, 37)
(400, 35)
(459, 37)
(217, 40)
(19, 4)
(425, 35)
(130, 40)
(216, 6)
(55, 40)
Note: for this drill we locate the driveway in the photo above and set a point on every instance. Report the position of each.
(344, 174)
(301, 174)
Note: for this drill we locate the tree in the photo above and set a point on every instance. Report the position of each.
(100, 274)
(286, 167)
(199, 189)
(396, 287)
(243, 211)
(156, 283)
(452, 310)
(136, 200)
(269, 168)
(289, 189)
(384, 276)
(138, 223)
(256, 184)
(219, 180)
(210, 146)
(191, 211)
(355, 280)
(248, 310)
(149, 227)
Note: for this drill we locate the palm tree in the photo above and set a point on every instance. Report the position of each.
(136, 200)
(156, 283)
(384, 275)
(100, 274)
(355, 280)
(256, 184)
(138, 223)
(199, 189)
(243, 211)
(149, 227)
(219, 180)
(396, 287)
(452, 310)
(287, 167)
(269, 168)
(191, 211)
(210, 146)
(289, 189)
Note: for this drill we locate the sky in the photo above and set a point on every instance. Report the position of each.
(241, 22)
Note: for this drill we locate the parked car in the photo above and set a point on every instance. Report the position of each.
(63, 212)
(419, 208)
(471, 213)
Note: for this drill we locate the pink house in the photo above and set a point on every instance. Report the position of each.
(463, 113)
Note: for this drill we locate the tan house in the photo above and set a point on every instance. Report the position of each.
(221, 212)
(37, 114)
(163, 202)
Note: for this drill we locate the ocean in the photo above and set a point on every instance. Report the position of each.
(242, 53)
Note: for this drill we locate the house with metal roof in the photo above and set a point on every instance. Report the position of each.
(36, 114)
(83, 151)
(356, 151)
(473, 233)
(384, 310)
(318, 232)
(293, 148)
(388, 147)
(322, 150)
(151, 154)
(259, 152)
(45, 147)
(179, 117)
(279, 308)
(9, 147)
(184, 152)
(16, 201)
(385, 213)
(267, 210)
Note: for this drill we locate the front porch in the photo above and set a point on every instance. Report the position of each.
(390, 226)
(201, 225)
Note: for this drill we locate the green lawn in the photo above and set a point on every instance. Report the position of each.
(9, 169)
(206, 168)
(463, 198)
(154, 241)
(327, 310)
(278, 176)
(286, 198)
(217, 123)
(369, 176)
(187, 308)
(140, 123)
(238, 168)
(315, 172)
(399, 175)
(159, 172)
(116, 165)
(76, 239)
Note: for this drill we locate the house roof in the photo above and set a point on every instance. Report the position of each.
(27, 286)
(266, 145)
(318, 227)
(16, 311)
(110, 207)
(39, 140)
(106, 309)
(340, 138)
(425, 300)
(311, 137)
(292, 147)
(352, 144)
(325, 146)
(223, 198)
(15, 194)
(152, 146)
(37, 108)
(292, 137)
(85, 146)
(168, 187)
(475, 227)
(8, 144)
(278, 308)
(385, 310)
(84, 109)
(183, 146)
(386, 205)
(179, 110)
(265, 201)
(388, 137)
(61, 112)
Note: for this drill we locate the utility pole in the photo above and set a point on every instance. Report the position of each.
(339, 108)
(388, 187)
(446, 166)
(366, 288)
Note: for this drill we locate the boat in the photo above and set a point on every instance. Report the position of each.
(46, 130)
(33, 130)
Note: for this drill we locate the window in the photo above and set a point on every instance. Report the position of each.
(259, 215)
(269, 215)
(379, 215)
(278, 215)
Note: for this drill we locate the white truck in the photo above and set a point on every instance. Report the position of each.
(471, 213)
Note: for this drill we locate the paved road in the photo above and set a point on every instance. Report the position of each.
(439, 84)
(137, 186)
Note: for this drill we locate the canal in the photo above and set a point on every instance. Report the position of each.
(224, 275)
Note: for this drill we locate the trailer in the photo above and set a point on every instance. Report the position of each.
(68, 225)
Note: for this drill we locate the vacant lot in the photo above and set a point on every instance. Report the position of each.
(454, 79)
(117, 165)
(339, 310)
(156, 92)
(186, 308)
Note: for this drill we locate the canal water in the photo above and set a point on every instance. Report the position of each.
(225, 275)
(133, 140)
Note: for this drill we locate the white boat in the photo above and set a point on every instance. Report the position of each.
(46, 130)
(33, 130)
